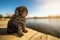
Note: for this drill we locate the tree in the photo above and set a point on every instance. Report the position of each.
(9, 15)
(1, 16)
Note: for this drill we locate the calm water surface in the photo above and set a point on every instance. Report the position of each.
(49, 26)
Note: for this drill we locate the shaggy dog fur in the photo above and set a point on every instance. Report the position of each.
(17, 23)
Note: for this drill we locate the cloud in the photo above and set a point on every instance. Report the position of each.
(48, 7)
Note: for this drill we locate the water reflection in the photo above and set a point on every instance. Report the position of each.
(48, 26)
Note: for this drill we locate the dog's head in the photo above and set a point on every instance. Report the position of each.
(22, 11)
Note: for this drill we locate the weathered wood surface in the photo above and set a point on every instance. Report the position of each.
(31, 35)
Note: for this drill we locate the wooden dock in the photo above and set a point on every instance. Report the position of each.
(31, 35)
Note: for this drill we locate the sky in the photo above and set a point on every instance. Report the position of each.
(35, 7)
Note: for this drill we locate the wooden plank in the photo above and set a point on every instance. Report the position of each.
(39, 36)
(52, 38)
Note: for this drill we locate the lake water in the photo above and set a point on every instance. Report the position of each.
(48, 26)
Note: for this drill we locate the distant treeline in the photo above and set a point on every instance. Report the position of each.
(8, 16)
(41, 17)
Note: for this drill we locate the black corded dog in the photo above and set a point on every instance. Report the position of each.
(17, 23)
